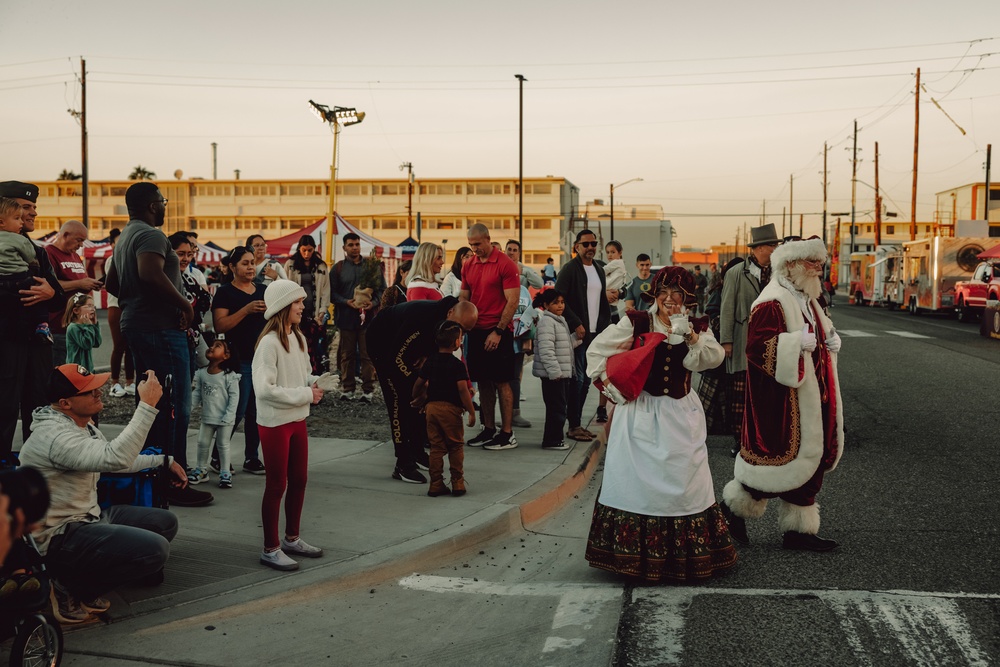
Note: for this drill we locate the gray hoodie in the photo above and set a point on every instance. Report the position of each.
(72, 458)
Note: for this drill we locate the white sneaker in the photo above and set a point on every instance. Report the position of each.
(278, 560)
(300, 548)
(130, 389)
(117, 391)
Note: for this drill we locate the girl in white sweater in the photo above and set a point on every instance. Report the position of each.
(285, 388)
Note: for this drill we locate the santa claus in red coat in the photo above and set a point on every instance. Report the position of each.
(793, 432)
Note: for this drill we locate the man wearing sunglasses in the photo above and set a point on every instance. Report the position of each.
(588, 312)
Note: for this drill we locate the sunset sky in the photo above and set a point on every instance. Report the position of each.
(714, 105)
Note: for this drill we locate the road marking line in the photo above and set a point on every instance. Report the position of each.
(579, 604)
(856, 333)
(907, 334)
(928, 627)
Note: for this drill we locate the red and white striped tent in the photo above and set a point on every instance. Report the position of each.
(390, 255)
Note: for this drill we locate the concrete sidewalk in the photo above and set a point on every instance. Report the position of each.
(371, 526)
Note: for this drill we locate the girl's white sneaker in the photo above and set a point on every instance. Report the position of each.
(300, 548)
(278, 560)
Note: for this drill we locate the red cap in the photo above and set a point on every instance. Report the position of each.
(70, 379)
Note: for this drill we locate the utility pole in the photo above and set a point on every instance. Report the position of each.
(520, 162)
(408, 166)
(878, 204)
(83, 137)
(801, 222)
(763, 215)
(986, 203)
(824, 192)
(916, 144)
(854, 183)
(791, 201)
(215, 161)
(783, 223)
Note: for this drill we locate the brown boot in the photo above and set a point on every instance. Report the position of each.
(438, 488)
(458, 487)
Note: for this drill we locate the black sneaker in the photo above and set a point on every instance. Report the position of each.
(411, 475)
(254, 467)
(423, 460)
(484, 436)
(188, 497)
(602, 415)
(501, 441)
(214, 466)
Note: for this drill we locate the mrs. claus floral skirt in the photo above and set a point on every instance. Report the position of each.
(659, 548)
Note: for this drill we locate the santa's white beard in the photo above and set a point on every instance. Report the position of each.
(805, 281)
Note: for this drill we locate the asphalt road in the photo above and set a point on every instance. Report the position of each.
(915, 581)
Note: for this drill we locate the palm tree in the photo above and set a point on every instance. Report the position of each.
(68, 175)
(140, 173)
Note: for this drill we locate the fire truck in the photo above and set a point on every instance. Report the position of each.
(932, 267)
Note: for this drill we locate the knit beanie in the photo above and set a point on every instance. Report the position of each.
(279, 294)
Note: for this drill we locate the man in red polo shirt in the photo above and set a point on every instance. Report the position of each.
(72, 277)
(492, 282)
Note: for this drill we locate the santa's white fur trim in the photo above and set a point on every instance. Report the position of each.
(741, 502)
(798, 518)
(795, 473)
(794, 250)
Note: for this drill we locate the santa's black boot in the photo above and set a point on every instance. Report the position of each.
(801, 526)
(738, 505)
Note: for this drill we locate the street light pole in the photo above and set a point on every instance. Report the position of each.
(336, 117)
(520, 161)
(611, 231)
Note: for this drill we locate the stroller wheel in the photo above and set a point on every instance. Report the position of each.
(38, 643)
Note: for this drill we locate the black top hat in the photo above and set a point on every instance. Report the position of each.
(763, 235)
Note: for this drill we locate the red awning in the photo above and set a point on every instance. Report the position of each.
(992, 253)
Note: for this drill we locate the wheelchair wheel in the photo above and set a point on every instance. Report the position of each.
(38, 642)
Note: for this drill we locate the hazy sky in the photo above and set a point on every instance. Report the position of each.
(715, 105)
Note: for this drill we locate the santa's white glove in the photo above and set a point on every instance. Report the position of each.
(613, 394)
(808, 340)
(680, 325)
(833, 342)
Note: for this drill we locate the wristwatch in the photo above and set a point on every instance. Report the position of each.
(498, 331)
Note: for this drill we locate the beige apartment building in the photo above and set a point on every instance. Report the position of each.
(227, 211)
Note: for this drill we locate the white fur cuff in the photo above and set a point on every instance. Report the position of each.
(798, 518)
(741, 502)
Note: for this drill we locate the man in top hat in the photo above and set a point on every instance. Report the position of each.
(794, 430)
(743, 284)
(25, 360)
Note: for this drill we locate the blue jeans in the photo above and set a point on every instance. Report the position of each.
(247, 407)
(166, 353)
(577, 392)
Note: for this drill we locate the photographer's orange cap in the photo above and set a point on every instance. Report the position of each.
(71, 379)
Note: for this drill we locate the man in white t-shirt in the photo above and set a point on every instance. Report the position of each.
(582, 283)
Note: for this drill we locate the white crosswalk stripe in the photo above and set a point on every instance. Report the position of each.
(906, 334)
(855, 333)
(926, 628)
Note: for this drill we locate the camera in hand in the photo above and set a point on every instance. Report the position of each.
(27, 489)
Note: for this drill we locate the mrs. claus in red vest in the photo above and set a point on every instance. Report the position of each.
(656, 517)
(793, 431)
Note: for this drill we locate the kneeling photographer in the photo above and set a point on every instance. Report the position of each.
(90, 552)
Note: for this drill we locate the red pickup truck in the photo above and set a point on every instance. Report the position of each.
(971, 295)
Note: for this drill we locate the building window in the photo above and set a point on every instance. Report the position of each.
(494, 223)
(440, 189)
(352, 190)
(390, 189)
(214, 190)
(538, 188)
(537, 223)
(890, 229)
(387, 223)
(488, 188)
(256, 190)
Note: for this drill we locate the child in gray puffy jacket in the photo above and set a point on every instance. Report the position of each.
(553, 363)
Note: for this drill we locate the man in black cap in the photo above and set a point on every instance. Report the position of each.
(25, 360)
(743, 284)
